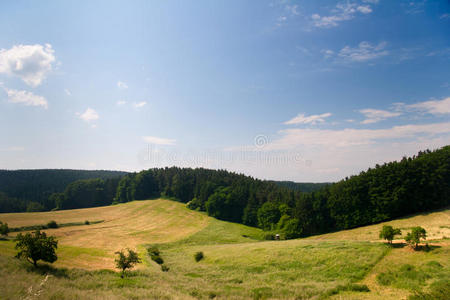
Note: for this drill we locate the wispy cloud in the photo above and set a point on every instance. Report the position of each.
(89, 115)
(344, 11)
(364, 52)
(434, 107)
(26, 98)
(415, 7)
(121, 102)
(158, 141)
(291, 138)
(377, 115)
(68, 93)
(313, 119)
(444, 16)
(122, 85)
(139, 104)
(13, 149)
(31, 63)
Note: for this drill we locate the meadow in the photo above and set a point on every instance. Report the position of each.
(238, 263)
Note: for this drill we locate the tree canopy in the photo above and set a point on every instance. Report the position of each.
(36, 246)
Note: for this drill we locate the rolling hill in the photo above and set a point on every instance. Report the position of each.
(238, 263)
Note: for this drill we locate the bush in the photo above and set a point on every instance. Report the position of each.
(164, 268)
(157, 259)
(52, 224)
(4, 229)
(86, 222)
(269, 236)
(153, 250)
(198, 256)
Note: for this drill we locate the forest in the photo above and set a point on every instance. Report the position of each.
(31, 190)
(384, 192)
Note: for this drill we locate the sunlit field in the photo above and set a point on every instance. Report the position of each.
(238, 263)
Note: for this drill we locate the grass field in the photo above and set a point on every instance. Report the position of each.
(237, 263)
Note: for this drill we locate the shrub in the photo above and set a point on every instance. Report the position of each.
(4, 229)
(198, 256)
(36, 246)
(269, 236)
(86, 222)
(157, 259)
(165, 268)
(52, 224)
(124, 262)
(153, 250)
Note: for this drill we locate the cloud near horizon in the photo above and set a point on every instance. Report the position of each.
(376, 115)
(158, 141)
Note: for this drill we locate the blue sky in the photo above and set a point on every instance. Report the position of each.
(291, 90)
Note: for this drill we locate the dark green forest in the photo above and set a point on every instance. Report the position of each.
(31, 190)
(385, 192)
(388, 191)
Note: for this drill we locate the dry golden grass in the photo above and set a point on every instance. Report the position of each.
(124, 225)
(437, 225)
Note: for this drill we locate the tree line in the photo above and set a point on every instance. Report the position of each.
(31, 190)
(385, 192)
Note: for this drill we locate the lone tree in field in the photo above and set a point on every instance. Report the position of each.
(124, 262)
(4, 229)
(413, 237)
(36, 246)
(388, 233)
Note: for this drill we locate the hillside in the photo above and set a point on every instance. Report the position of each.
(237, 264)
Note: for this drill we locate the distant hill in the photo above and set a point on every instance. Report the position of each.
(38, 185)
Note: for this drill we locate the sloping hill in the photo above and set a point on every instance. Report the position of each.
(237, 263)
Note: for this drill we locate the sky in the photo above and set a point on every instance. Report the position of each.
(308, 91)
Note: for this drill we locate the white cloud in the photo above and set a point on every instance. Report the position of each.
(444, 16)
(313, 119)
(68, 93)
(364, 52)
(139, 104)
(158, 141)
(26, 98)
(327, 53)
(121, 102)
(376, 115)
(344, 11)
(365, 9)
(89, 115)
(434, 107)
(295, 137)
(122, 85)
(293, 9)
(31, 63)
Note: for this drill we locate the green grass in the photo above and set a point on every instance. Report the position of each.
(238, 263)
